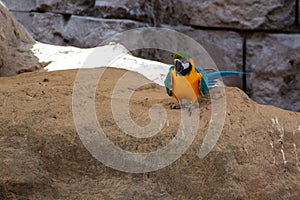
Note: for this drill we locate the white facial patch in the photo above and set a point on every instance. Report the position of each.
(185, 65)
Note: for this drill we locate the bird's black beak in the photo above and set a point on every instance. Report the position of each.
(178, 65)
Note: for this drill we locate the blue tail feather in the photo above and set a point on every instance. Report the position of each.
(212, 76)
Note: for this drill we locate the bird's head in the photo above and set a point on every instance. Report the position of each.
(183, 62)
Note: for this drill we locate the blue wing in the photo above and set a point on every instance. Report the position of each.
(204, 82)
(168, 81)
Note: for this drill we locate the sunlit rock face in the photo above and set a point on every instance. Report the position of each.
(15, 45)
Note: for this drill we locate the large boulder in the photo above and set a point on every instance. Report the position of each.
(274, 64)
(42, 156)
(15, 45)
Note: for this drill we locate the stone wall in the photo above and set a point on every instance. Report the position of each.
(260, 37)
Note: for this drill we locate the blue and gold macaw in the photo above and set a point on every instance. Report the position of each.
(186, 80)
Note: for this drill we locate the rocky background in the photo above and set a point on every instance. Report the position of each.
(259, 37)
(42, 156)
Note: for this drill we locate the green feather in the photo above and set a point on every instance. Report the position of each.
(181, 54)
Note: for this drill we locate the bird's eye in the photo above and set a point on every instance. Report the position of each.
(184, 60)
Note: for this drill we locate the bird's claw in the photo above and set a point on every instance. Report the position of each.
(190, 109)
(176, 106)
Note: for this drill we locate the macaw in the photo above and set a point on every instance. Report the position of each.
(185, 80)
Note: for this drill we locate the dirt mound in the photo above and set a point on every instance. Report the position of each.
(42, 157)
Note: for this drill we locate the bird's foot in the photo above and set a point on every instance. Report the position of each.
(176, 106)
(191, 107)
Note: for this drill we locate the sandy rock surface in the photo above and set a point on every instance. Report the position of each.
(42, 157)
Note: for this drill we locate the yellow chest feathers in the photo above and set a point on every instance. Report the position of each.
(187, 86)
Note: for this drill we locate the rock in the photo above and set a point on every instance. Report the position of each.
(274, 14)
(15, 45)
(250, 15)
(55, 6)
(42, 156)
(67, 7)
(90, 32)
(274, 64)
(73, 30)
(137, 10)
(45, 27)
(27, 5)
